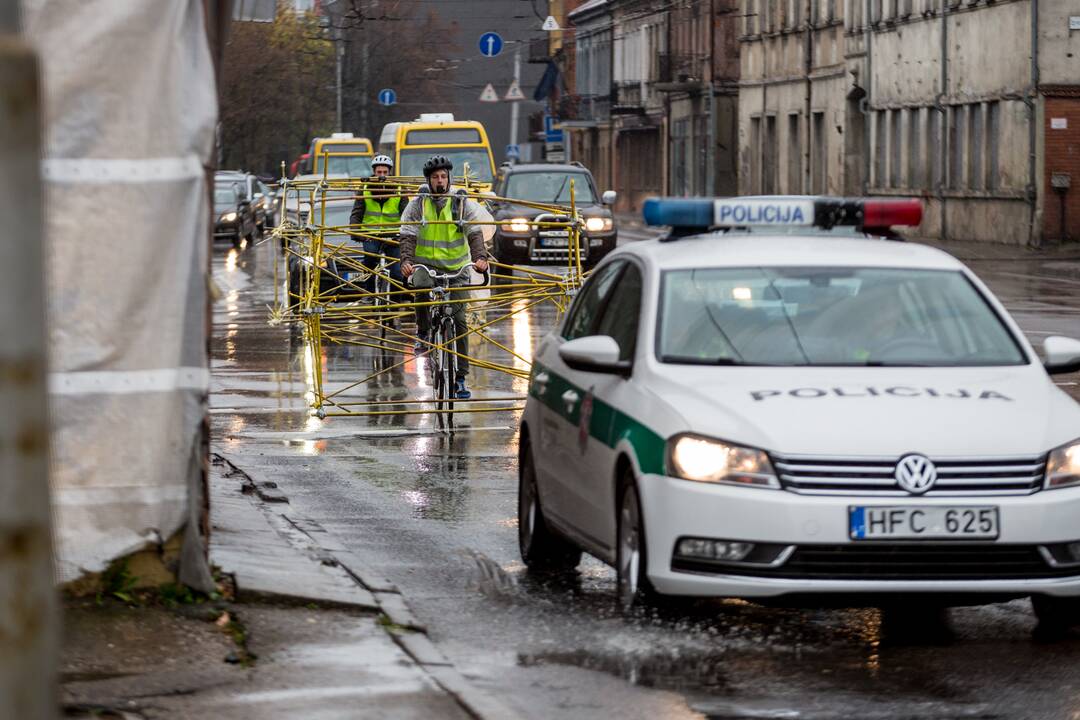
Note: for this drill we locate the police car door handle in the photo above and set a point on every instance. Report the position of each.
(541, 381)
(570, 398)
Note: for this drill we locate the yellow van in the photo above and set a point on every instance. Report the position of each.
(410, 144)
(348, 155)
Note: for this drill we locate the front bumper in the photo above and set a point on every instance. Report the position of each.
(530, 250)
(817, 526)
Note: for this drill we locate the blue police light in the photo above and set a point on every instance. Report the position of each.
(728, 212)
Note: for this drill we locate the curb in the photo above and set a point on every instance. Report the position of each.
(410, 634)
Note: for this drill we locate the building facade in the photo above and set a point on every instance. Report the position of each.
(965, 103)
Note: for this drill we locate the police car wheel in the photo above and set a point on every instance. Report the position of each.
(632, 584)
(1056, 614)
(541, 549)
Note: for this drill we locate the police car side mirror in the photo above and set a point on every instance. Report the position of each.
(1062, 355)
(594, 353)
(608, 198)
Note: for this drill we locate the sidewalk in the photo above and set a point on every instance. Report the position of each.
(309, 634)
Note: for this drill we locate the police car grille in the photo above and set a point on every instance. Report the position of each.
(879, 561)
(956, 477)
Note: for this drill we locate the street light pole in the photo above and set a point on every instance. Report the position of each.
(515, 105)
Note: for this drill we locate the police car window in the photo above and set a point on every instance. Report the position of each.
(620, 318)
(829, 316)
(590, 302)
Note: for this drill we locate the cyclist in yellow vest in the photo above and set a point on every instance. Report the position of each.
(379, 206)
(442, 247)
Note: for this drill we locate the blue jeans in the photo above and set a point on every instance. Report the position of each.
(370, 262)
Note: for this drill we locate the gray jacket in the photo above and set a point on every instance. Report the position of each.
(464, 210)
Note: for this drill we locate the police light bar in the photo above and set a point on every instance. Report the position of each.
(869, 215)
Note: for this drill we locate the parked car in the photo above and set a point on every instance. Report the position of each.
(517, 242)
(233, 217)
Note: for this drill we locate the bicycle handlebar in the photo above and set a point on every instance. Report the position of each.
(451, 276)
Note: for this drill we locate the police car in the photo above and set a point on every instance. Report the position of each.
(775, 400)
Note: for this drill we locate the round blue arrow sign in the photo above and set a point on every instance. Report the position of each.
(387, 96)
(491, 44)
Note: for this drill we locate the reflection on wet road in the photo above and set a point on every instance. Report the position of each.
(436, 514)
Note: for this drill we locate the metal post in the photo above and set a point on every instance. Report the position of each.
(339, 50)
(27, 601)
(515, 105)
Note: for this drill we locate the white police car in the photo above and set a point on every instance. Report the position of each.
(772, 401)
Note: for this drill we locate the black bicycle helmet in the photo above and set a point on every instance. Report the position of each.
(437, 162)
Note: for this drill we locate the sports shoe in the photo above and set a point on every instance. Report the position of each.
(460, 391)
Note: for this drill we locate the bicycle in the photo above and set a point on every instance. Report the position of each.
(443, 362)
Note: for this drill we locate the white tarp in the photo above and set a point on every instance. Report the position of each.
(130, 110)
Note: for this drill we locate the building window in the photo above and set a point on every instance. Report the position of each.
(934, 160)
(879, 149)
(975, 146)
(895, 143)
(914, 170)
(755, 154)
(993, 131)
(794, 160)
(956, 147)
(769, 163)
(819, 161)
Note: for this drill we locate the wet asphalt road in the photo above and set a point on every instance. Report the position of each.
(437, 516)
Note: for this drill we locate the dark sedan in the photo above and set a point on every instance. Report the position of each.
(517, 242)
(233, 216)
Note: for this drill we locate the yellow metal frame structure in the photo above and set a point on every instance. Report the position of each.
(319, 287)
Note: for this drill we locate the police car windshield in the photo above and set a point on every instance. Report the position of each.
(829, 316)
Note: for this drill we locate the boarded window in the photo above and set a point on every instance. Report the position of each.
(934, 160)
(755, 154)
(794, 160)
(895, 144)
(993, 137)
(914, 172)
(770, 159)
(956, 147)
(879, 149)
(975, 147)
(819, 161)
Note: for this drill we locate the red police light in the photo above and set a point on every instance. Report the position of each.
(887, 213)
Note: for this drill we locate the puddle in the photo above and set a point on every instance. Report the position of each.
(665, 668)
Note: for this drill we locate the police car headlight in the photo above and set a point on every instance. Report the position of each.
(599, 224)
(518, 225)
(692, 457)
(1063, 466)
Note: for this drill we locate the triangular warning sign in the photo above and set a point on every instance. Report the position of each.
(514, 93)
(489, 94)
(550, 23)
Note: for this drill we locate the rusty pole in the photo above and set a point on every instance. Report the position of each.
(28, 617)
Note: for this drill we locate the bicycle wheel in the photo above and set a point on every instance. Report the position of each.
(438, 388)
(448, 364)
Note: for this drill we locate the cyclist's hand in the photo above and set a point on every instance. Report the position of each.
(406, 269)
(481, 265)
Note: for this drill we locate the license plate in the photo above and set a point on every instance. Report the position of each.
(553, 242)
(925, 522)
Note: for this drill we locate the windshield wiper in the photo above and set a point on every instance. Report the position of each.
(559, 191)
(688, 360)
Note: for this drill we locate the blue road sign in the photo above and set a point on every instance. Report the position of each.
(491, 44)
(551, 134)
(513, 151)
(387, 96)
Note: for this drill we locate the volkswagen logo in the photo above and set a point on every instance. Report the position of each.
(915, 473)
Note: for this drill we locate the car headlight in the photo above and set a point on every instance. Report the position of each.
(518, 225)
(1063, 466)
(599, 224)
(228, 217)
(692, 457)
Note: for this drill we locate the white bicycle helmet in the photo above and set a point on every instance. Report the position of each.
(382, 160)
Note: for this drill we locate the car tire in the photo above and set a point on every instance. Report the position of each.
(541, 549)
(1055, 614)
(632, 586)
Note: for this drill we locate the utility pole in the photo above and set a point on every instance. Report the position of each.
(515, 105)
(339, 51)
